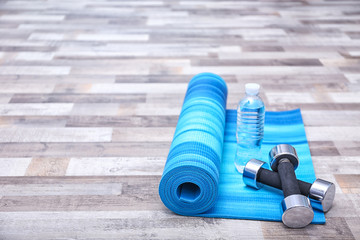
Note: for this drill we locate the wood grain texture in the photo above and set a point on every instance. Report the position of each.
(90, 94)
(47, 167)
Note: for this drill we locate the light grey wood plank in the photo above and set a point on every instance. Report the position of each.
(354, 53)
(150, 109)
(46, 36)
(57, 79)
(94, 149)
(5, 98)
(143, 134)
(62, 189)
(113, 37)
(32, 121)
(9, 42)
(34, 17)
(122, 121)
(115, 166)
(353, 78)
(34, 70)
(139, 88)
(34, 56)
(281, 55)
(289, 97)
(14, 166)
(127, 4)
(49, 109)
(26, 88)
(257, 32)
(172, 98)
(343, 205)
(347, 97)
(95, 109)
(76, 98)
(125, 52)
(122, 70)
(333, 133)
(337, 118)
(353, 224)
(55, 135)
(338, 164)
(264, 70)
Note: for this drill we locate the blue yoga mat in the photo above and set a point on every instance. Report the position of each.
(200, 178)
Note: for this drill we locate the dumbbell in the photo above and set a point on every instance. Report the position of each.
(320, 192)
(297, 210)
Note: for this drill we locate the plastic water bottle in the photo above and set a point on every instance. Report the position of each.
(250, 126)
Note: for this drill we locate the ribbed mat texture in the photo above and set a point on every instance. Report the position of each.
(200, 178)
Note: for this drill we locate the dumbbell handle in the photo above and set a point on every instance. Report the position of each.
(272, 179)
(288, 179)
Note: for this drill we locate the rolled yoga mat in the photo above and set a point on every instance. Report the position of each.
(200, 178)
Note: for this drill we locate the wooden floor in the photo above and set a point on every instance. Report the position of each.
(90, 92)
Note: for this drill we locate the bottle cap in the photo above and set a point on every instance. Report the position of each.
(252, 88)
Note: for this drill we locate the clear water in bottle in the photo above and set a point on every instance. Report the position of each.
(250, 126)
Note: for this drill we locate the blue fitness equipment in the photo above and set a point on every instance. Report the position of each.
(200, 178)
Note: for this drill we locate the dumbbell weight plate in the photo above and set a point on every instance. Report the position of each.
(282, 151)
(297, 211)
(250, 173)
(322, 193)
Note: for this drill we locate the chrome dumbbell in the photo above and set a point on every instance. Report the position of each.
(320, 192)
(297, 211)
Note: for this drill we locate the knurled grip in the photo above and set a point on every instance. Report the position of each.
(288, 179)
(272, 179)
